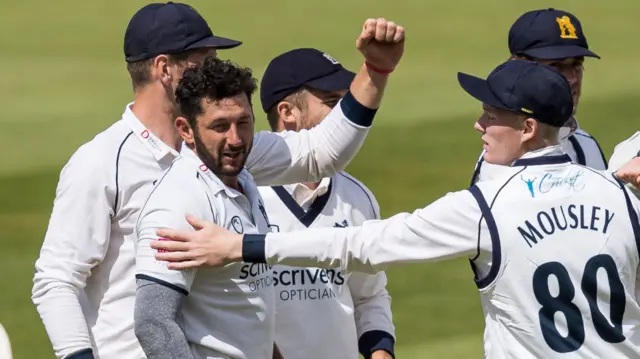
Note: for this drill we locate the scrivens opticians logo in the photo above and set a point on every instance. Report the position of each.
(307, 283)
(258, 275)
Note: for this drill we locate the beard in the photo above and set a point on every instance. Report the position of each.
(214, 160)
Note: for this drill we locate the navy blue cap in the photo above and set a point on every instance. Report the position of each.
(298, 68)
(164, 28)
(548, 34)
(524, 87)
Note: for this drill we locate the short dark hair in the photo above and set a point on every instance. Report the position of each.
(214, 80)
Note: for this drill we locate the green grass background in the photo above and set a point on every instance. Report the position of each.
(63, 80)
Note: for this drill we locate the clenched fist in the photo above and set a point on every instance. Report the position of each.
(382, 43)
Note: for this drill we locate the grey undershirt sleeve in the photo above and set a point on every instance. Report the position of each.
(156, 310)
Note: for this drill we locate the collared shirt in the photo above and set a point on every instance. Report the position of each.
(305, 196)
(226, 312)
(84, 285)
(89, 242)
(541, 239)
(577, 143)
(358, 303)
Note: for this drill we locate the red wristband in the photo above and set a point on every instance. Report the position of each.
(377, 69)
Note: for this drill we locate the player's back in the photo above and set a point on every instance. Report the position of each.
(564, 264)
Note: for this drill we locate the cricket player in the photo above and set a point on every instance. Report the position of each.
(312, 302)
(555, 38)
(84, 286)
(225, 312)
(553, 245)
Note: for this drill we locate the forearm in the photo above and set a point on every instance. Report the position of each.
(310, 155)
(63, 319)
(368, 87)
(439, 231)
(368, 249)
(156, 310)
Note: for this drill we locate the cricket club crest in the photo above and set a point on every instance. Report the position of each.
(236, 223)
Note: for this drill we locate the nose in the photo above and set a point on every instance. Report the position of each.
(572, 75)
(480, 123)
(478, 127)
(233, 137)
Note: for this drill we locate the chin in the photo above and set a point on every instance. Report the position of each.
(230, 171)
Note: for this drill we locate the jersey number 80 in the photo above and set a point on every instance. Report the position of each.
(563, 303)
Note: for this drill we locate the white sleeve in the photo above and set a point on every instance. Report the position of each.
(445, 229)
(372, 302)
(76, 240)
(309, 155)
(166, 207)
(624, 152)
(372, 305)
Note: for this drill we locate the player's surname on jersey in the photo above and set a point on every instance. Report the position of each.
(580, 217)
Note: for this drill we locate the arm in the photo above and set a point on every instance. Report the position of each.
(310, 155)
(155, 321)
(372, 303)
(372, 311)
(445, 229)
(160, 289)
(76, 240)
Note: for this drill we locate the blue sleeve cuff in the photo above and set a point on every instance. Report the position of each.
(253, 246)
(375, 340)
(82, 354)
(356, 112)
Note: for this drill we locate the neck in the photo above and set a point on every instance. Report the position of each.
(156, 113)
(312, 185)
(232, 182)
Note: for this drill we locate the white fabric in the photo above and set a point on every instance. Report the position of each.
(600, 232)
(84, 285)
(593, 155)
(312, 302)
(623, 153)
(228, 311)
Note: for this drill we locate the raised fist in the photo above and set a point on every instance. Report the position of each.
(381, 42)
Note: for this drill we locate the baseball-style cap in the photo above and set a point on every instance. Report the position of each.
(548, 34)
(524, 87)
(301, 67)
(163, 28)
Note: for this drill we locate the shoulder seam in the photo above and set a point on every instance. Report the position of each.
(366, 192)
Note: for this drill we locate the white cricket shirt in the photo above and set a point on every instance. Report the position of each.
(312, 302)
(227, 312)
(624, 152)
(84, 285)
(578, 144)
(554, 247)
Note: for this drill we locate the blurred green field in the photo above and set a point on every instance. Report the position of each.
(64, 80)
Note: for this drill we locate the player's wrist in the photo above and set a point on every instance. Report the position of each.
(380, 70)
(250, 248)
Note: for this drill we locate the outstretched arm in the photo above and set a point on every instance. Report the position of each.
(310, 155)
(445, 229)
